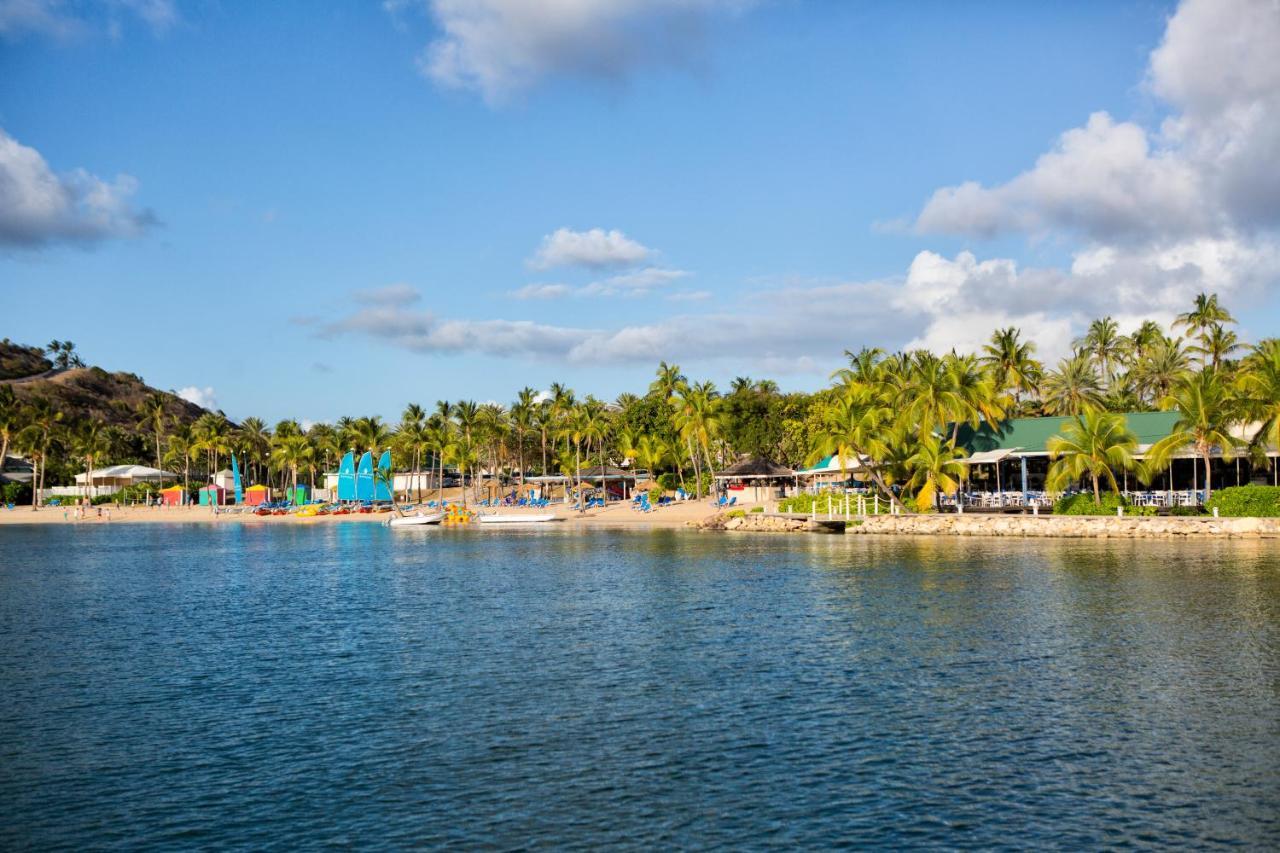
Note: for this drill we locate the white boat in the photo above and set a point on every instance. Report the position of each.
(515, 519)
(414, 520)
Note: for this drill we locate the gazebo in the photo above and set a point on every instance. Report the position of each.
(109, 480)
(756, 480)
(622, 480)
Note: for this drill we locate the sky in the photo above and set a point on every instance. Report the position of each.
(313, 210)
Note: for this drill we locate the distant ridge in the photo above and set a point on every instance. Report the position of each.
(84, 392)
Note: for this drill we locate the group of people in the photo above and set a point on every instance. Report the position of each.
(84, 510)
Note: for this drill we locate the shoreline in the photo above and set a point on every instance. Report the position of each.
(703, 517)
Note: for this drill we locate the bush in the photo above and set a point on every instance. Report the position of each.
(1083, 504)
(15, 493)
(736, 513)
(1246, 501)
(655, 494)
(756, 509)
(669, 482)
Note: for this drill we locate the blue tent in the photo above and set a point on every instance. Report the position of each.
(347, 478)
(364, 478)
(382, 483)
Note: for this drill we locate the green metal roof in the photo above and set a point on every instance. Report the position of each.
(1031, 435)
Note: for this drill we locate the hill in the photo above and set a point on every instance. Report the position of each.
(85, 392)
(18, 361)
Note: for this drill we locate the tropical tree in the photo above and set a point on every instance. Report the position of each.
(1208, 407)
(1204, 314)
(1011, 362)
(1094, 443)
(254, 442)
(10, 421)
(1104, 344)
(1259, 384)
(857, 427)
(1216, 345)
(1072, 388)
(289, 453)
(936, 468)
(89, 441)
(152, 413)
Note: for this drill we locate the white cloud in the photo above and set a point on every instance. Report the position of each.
(392, 294)
(38, 206)
(593, 249)
(203, 397)
(542, 291)
(501, 47)
(1209, 172)
(64, 19)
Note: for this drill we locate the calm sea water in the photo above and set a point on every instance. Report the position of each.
(257, 687)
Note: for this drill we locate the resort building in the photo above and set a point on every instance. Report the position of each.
(1008, 464)
(109, 480)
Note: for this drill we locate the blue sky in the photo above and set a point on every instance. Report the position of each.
(340, 210)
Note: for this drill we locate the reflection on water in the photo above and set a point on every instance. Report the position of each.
(347, 684)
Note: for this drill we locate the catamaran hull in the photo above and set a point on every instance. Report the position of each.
(416, 520)
(515, 519)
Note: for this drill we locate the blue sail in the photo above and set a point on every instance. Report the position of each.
(364, 478)
(383, 482)
(347, 478)
(235, 471)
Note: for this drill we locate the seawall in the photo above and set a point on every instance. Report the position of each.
(1025, 526)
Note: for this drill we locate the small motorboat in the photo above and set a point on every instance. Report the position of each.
(415, 520)
(515, 519)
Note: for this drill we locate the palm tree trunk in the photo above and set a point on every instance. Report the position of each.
(1208, 481)
(1097, 495)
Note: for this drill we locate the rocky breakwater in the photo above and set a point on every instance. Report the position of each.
(1069, 526)
(755, 522)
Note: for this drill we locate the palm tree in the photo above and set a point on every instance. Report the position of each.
(698, 421)
(936, 469)
(1073, 388)
(857, 427)
(89, 441)
(523, 415)
(289, 452)
(254, 440)
(1160, 366)
(1103, 343)
(1207, 408)
(212, 433)
(183, 448)
(1216, 345)
(10, 421)
(1094, 443)
(1204, 314)
(464, 453)
(977, 396)
(1011, 361)
(1259, 384)
(42, 419)
(152, 413)
(370, 433)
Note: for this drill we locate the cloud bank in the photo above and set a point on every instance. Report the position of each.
(63, 19)
(39, 207)
(502, 47)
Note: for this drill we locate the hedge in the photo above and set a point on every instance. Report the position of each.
(1246, 501)
(1083, 504)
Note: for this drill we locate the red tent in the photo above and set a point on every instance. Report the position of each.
(173, 496)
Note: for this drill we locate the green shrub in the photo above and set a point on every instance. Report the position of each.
(15, 493)
(1246, 501)
(669, 482)
(1186, 510)
(1083, 504)
(655, 494)
(757, 509)
(736, 513)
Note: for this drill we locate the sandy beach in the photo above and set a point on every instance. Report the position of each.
(621, 514)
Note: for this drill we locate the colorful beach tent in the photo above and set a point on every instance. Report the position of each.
(347, 478)
(299, 496)
(212, 494)
(364, 478)
(257, 495)
(173, 496)
(382, 483)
